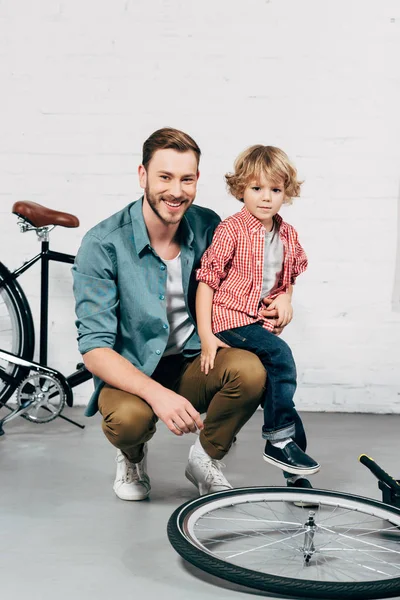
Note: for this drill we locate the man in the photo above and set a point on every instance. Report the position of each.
(135, 287)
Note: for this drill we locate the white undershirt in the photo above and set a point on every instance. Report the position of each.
(273, 261)
(179, 323)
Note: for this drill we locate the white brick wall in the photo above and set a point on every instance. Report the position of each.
(85, 82)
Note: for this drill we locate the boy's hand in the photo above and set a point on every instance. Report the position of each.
(283, 305)
(209, 347)
(271, 315)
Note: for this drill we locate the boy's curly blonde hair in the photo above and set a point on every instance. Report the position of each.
(272, 162)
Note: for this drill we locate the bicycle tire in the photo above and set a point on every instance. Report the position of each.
(190, 549)
(17, 331)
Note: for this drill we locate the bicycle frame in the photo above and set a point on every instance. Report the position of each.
(45, 256)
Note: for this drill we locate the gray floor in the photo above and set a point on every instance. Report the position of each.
(64, 534)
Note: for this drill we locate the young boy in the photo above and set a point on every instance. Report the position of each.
(255, 254)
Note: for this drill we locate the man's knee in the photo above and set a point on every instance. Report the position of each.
(245, 371)
(128, 419)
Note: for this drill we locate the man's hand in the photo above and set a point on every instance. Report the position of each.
(209, 347)
(177, 413)
(271, 313)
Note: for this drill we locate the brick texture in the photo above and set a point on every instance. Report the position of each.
(84, 83)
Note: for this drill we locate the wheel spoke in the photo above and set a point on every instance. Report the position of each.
(361, 541)
(13, 336)
(353, 540)
(263, 546)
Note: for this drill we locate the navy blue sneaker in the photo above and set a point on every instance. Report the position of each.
(291, 459)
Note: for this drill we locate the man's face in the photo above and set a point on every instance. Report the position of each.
(170, 183)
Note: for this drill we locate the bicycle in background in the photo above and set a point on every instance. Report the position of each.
(40, 391)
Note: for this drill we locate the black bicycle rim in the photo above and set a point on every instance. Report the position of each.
(272, 584)
(26, 334)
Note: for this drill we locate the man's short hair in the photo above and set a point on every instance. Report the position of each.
(165, 138)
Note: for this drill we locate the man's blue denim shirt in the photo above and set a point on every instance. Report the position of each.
(120, 287)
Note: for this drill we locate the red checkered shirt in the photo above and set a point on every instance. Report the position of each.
(233, 267)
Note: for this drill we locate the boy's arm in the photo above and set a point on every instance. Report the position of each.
(300, 261)
(283, 302)
(204, 298)
(272, 310)
(213, 268)
(209, 342)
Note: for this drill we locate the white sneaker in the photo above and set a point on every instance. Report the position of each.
(205, 473)
(131, 481)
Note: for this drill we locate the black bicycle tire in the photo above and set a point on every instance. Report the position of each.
(271, 583)
(26, 332)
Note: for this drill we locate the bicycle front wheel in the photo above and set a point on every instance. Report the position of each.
(346, 547)
(16, 332)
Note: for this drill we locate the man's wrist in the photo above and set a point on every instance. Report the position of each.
(151, 391)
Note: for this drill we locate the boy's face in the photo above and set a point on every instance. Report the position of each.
(170, 183)
(263, 199)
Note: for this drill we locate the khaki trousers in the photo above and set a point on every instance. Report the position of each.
(229, 394)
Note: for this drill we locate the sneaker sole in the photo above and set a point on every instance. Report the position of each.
(200, 488)
(130, 499)
(290, 468)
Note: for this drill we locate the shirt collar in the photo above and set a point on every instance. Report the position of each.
(186, 232)
(140, 236)
(254, 224)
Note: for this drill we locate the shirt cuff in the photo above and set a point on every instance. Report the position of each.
(208, 277)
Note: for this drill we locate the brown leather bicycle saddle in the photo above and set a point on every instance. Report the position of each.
(40, 216)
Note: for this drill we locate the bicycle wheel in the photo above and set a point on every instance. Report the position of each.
(347, 547)
(16, 331)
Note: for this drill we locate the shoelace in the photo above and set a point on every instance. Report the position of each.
(134, 471)
(213, 469)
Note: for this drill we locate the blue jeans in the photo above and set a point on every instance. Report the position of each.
(281, 419)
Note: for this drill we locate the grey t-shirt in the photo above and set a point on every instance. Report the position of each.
(180, 325)
(273, 261)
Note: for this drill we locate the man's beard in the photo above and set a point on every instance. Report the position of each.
(155, 204)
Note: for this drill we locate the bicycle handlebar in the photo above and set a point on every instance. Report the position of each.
(379, 472)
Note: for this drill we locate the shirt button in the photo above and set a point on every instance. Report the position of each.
(162, 297)
(165, 326)
(162, 268)
(158, 351)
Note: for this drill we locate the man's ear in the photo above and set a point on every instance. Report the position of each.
(142, 176)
